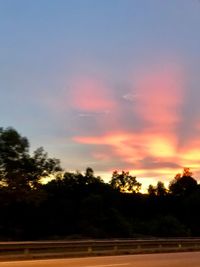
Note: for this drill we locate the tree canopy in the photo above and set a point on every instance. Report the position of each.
(125, 182)
(18, 169)
(183, 184)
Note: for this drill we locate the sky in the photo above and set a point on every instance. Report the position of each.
(110, 84)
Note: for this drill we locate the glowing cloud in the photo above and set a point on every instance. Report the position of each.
(160, 146)
(160, 94)
(90, 95)
(121, 143)
(153, 149)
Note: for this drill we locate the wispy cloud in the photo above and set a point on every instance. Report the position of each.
(130, 97)
(94, 114)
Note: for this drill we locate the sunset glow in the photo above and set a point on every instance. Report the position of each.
(110, 85)
(149, 150)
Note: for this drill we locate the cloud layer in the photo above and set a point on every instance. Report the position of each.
(137, 128)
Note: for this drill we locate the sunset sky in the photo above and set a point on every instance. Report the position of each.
(110, 84)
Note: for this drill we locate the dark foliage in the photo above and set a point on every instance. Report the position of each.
(76, 205)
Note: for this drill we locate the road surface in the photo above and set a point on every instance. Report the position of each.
(187, 259)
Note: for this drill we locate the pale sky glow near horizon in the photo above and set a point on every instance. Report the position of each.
(110, 84)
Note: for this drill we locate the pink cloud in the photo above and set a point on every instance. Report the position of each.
(90, 95)
(160, 95)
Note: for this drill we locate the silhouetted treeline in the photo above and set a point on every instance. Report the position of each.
(77, 205)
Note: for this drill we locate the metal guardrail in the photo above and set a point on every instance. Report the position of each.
(94, 247)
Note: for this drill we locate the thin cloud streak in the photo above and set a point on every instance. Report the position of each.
(94, 114)
(130, 97)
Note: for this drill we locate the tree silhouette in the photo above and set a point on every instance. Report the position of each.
(151, 190)
(125, 182)
(160, 189)
(18, 169)
(183, 185)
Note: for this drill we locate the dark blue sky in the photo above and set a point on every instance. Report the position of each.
(104, 83)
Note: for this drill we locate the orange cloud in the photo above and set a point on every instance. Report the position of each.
(130, 147)
(160, 95)
(190, 154)
(123, 144)
(161, 146)
(132, 150)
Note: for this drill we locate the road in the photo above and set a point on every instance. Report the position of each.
(187, 259)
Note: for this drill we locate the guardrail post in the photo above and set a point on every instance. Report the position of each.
(115, 248)
(89, 249)
(26, 252)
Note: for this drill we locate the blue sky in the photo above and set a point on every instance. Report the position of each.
(78, 77)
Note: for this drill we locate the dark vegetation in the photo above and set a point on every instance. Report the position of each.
(76, 205)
